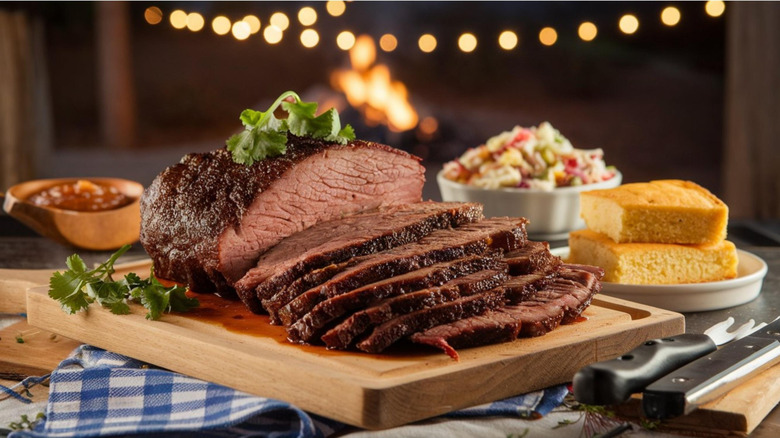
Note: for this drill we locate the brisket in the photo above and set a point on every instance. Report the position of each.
(562, 301)
(206, 220)
(391, 331)
(304, 329)
(441, 245)
(534, 257)
(338, 240)
(342, 335)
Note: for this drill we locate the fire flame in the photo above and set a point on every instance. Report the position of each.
(369, 87)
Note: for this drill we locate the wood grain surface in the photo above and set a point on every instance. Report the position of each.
(374, 391)
(38, 354)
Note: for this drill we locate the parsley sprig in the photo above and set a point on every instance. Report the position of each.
(78, 287)
(266, 136)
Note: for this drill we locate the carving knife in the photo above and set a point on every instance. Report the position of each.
(710, 377)
(613, 381)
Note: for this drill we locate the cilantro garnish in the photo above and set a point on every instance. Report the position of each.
(266, 136)
(78, 287)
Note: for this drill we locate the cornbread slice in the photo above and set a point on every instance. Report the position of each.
(665, 211)
(653, 263)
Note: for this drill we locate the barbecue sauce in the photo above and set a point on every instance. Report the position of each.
(81, 195)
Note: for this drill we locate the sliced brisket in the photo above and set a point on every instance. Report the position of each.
(304, 329)
(343, 334)
(534, 257)
(338, 240)
(441, 245)
(561, 301)
(206, 220)
(391, 331)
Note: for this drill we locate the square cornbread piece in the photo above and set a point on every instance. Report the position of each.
(665, 211)
(653, 263)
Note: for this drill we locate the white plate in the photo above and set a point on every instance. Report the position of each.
(695, 297)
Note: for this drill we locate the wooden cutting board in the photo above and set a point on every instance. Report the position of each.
(222, 342)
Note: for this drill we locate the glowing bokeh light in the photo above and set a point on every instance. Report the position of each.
(345, 40)
(587, 31)
(221, 25)
(310, 38)
(335, 7)
(363, 53)
(715, 8)
(548, 36)
(272, 34)
(253, 22)
(153, 15)
(307, 16)
(178, 19)
(670, 16)
(467, 42)
(507, 40)
(241, 30)
(429, 125)
(195, 21)
(427, 43)
(280, 20)
(628, 24)
(388, 42)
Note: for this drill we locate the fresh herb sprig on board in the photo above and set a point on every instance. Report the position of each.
(78, 287)
(266, 136)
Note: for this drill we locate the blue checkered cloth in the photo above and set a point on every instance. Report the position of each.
(96, 393)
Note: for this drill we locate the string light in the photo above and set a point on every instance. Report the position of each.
(388, 42)
(195, 21)
(221, 25)
(670, 16)
(272, 34)
(587, 31)
(467, 42)
(178, 19)
(280, 20)
(253, 22)
(335, 7)
(507, 40)
(715, 8)
(309, 38)
(241, 30)
(628, 24)
(427, 43)
(153, 15)
(345, 40)
(548, 36)
(307, 16)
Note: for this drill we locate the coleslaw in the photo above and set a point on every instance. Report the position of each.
(536, 157)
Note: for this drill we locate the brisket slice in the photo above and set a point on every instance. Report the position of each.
(343, 334)
(206, 220)
(534, 257)
(304, 329)
(301, 285)
(338, 240)
(562, 301)
(441, 245)
(391, 331)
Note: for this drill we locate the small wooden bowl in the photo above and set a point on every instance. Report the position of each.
(99, 230)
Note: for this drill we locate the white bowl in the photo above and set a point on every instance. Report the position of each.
(552, 214)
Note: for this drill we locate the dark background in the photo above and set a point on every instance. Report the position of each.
(654, 101)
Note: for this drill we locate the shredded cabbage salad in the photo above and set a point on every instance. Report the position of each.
(536, 157)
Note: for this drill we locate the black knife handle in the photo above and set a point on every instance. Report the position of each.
(613, 381)
(685, 389)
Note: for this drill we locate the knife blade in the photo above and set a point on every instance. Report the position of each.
(709, 377)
